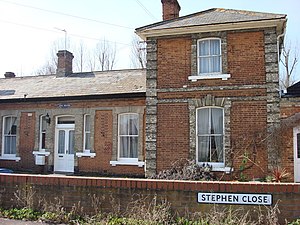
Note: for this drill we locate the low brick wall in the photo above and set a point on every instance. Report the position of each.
(120, 191)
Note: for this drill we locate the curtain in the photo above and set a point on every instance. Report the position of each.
(10, 135)
(203, 132)
(128, 135)
(134, 132)
(217, 133)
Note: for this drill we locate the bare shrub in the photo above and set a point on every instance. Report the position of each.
(25, 196)
(151, 211)
(186, 169)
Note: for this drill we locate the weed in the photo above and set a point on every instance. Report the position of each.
(25, 196)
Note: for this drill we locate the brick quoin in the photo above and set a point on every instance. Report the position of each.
(172, 134)
(174, 62)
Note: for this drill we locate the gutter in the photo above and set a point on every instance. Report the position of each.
(81, 97)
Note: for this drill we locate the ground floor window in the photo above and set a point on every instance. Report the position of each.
(128, 135)
(9, 135)
(210, 135)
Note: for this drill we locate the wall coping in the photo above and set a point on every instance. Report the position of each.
(151, 184)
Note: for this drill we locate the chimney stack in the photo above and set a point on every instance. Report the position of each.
(9, 75)
(64, 65)
(170, 9)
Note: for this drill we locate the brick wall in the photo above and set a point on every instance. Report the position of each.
(173, 134)
(173, 62)
(181, 194)
(26, 141)
(246, 57)
(248, 132)
(103, 137)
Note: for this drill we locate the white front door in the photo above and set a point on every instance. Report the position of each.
(297, 154)
(64, 148)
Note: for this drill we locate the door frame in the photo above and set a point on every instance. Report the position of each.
(296, 130)
(59, 127)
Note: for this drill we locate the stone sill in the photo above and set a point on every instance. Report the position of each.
(127, 163)
(85, 154)
(11, 158)
(41, 153)
(209, 76)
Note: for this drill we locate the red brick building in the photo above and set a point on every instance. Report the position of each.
(210, 93)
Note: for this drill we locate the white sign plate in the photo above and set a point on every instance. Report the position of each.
(232, 198)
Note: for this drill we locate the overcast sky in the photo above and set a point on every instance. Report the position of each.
(30, 27)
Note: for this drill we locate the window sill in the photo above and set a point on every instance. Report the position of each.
(127, 163)
(227, 170)
(11, 158)
(44, 153)
(85, 154)
(209, 76)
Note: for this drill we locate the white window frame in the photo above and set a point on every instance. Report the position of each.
(9, 156)
(85, 132)
(217, 166)
(125, 160)
(41, 132)
(209, 75)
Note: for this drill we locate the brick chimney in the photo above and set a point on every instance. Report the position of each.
(170, 9)
(64, 65)
(9, 75)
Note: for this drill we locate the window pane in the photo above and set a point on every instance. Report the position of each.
(204, 48)
(215, 47)
(61, 142)
(204, 65)
(215, 64)
(133, 125)
(43, 123)
(87, 122)
(10, 126)
(203, 149)
(216, 121)
(10, 145)
(43, 138)
(71, 141)
(216, 149)
(133, 147)
(124, 141)
(298, 146)
(87, 141)
(123, 125)
(203, 121)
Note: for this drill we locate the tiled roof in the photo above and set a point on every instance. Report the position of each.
(77, 84)
(213, 16)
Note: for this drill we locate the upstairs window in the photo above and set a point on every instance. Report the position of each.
(210, 136)
(128, 136)
(9, 136)
(209, 56)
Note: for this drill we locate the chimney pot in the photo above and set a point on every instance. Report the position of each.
(171, 9)
(64, 65)
(9, 75)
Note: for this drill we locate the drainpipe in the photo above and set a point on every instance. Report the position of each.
(278, 52)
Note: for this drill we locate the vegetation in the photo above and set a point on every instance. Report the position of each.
(186, 170)
(144, 210)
